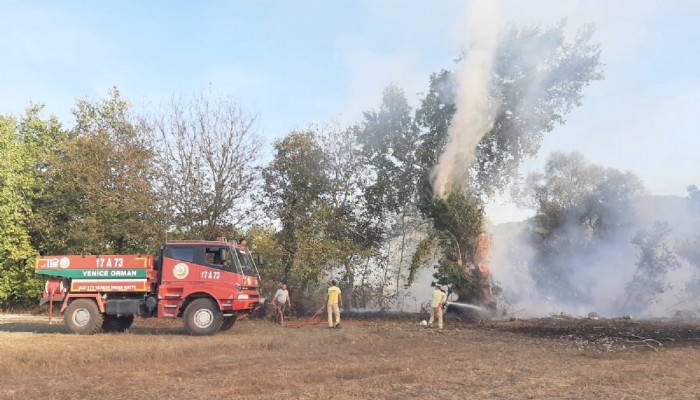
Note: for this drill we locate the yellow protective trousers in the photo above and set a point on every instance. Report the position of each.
(333, 309)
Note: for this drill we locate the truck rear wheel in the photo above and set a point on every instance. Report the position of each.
(228, 323)
(83, 317)
(113, 323)
(202, 317)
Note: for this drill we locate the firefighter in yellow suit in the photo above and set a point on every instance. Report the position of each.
(439, 298)
(335, 301)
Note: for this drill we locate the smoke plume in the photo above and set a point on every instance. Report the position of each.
(611, 277)
(475, 105)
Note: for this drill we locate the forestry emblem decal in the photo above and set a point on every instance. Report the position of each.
(181, 271)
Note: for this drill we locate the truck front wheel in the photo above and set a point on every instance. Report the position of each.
(202, 317)
(83, 317)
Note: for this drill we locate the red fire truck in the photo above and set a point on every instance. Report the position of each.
(207, 283)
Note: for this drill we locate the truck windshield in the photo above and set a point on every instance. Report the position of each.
(246, 262)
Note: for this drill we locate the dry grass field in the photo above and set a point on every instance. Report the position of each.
(366, 359)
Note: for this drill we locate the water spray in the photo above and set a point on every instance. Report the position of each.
(466, 305)
(462, 305)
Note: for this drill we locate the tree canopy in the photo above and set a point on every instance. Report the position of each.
(538, 78)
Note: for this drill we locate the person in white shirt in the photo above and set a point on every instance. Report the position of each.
(281, 300)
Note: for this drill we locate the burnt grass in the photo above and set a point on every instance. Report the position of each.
(610, 334)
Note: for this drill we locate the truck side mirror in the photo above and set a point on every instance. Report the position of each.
(260, 259)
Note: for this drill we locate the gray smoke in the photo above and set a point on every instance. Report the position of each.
(605, 276)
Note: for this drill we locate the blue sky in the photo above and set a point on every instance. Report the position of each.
(301, 62)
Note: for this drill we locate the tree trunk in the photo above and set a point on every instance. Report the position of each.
(403, 246)
(386, 277)
(350, 299)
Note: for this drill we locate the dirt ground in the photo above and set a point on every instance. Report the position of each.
(557, 358)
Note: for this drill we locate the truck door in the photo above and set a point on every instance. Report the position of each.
(223, 271)
(193, 268)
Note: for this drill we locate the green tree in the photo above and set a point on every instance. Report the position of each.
(579, 206)
(17, 185)
(388, 138)
(349, 224)
(295, 184)
(690, 251)
(315, 186)
(656, 258)
(389, 144)
(99, 185)
(26, 145)
(263, 241)
(595, 197)
(693, 198)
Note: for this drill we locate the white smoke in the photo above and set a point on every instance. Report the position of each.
(475, 105)
(597, 278)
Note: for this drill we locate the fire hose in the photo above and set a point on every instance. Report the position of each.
(310, 321)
